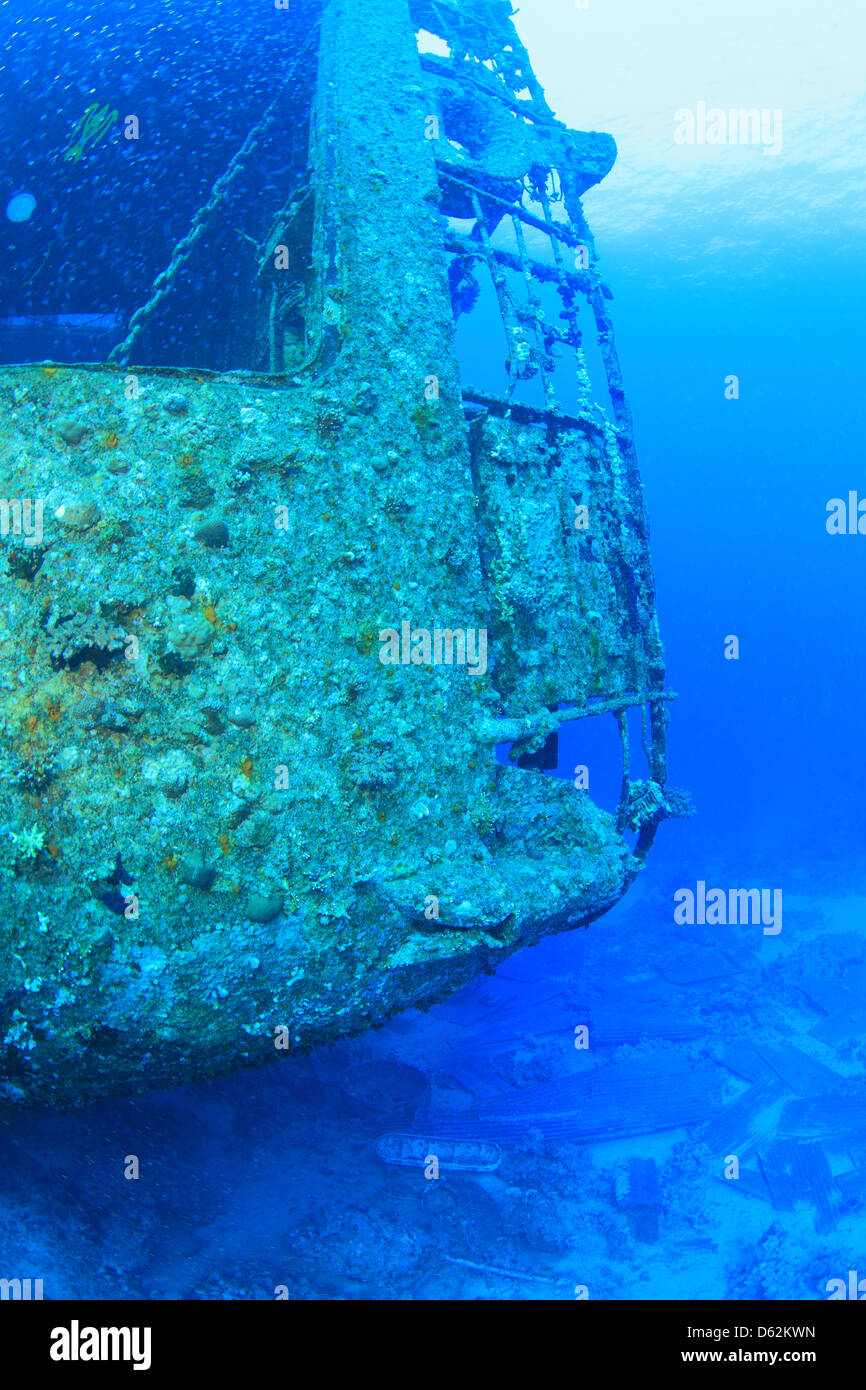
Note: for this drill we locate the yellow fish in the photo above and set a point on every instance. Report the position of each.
(90, 128)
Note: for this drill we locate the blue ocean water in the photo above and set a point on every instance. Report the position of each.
(737, 494)
(272, 1179)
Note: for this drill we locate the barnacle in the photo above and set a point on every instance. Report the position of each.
(23, 561)
(424, 415)
(329, 423)
(240, 479)
(396, 506)
(485, 815)
(34, 774)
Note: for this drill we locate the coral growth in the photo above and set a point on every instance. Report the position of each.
(79, 637)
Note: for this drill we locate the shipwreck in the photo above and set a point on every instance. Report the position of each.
(356, 375)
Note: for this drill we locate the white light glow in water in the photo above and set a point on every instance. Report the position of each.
(20, 207)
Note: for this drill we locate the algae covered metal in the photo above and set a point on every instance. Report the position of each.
(268, 609)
